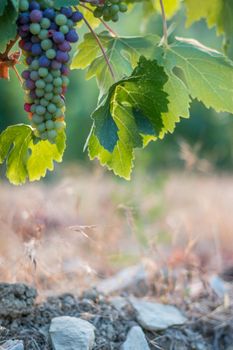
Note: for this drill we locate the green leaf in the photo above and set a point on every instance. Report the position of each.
(25, 159)
(3, 4)
(14, 143)
(122, 53)
(135, 106)
(208, 9)
(43, 155)
(207, 74)
(8, 28)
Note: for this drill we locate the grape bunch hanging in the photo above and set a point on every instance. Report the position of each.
(46, 36)
(110, 9)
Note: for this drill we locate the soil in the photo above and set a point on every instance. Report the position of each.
(20, 319)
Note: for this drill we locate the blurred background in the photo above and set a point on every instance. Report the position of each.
(174, 214)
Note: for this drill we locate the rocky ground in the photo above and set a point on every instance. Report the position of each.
(94, 321)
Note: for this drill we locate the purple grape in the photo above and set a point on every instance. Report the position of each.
(29, 60)
(33, 94)
(56, 65)
(23, 34)
(77, 16)
(26, 74)
(36, 49)
(24, 18)
(30, 85)
(34, 6)
(49, 13)
(27, 46)
(65, 46)
(36, 16)
(58, 37)
(72, 36)
(25, 28)
(44, 62)
(65, 70)
(62, 57)
(67, 11)
(53, 26)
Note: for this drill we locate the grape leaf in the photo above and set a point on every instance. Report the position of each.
(43, 155)
(207, 74)
(122, 52)
(8, 29)
(3, 4)
(134, 106)
(14, 143)
(24, 159)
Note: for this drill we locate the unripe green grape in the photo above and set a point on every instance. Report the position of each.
(64, 29)
(51, 108)
(49, 125)
(48, 116)
(49, 87)
(57, 90)
(52, 134)
(39, 92)
(44, 136)
(46, 44)
(115, 18)
(56, 73)
(60, 20)
(37, 119)
(34, 65)
(40, 110)
(45, 23)
(59, 125)
(48, 96)
(51, 53)
(40, 84)
(123, 7)
(70, 24)
(57, 82)
(115, 1)
(43, 72)
(35, 28)
(34, 75)
(23, 5)
(98, 12)
(56, 99)
(114, 9)
(43, 34)
(41, 127)
(44, 102)
(49, 78)
(33, 108)
(65, 81)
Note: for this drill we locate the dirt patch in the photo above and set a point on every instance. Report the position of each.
(214, 331)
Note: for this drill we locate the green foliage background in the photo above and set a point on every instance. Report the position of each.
(214, 132)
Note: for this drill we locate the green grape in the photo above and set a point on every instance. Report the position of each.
(44, 136)
(51, 53)
(64, 29)
(41, 127)
(48, 96)
(59, 125)
(51, 108)
(43, 103)
(43, 34)
(40, 84)
(34, 75)
(49, 125)
(40, 110)
(39, 92)
(23, 5)
(49, 87)
(34, 65)
(35, 28)
(60, 20)
(43, 72)
(46, 44)
(52, 134)
(37, 119)
(56, 73)
(45, 23)
(57, 82)
(49, 78)
(48, 116)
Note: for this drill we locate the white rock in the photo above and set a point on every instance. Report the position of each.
(155, 316)
(135, 340)
(71, 333)
(12, 345)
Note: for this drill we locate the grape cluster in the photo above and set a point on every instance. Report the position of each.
(110, 9)
(46, 35)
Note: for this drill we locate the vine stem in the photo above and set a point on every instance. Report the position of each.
(5, 55)
(101, 48)
(103, 22)
(165, 31)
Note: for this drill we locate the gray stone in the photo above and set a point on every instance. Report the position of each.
(13, 345)
(155, 316)
(71, 333)
(16, 299)
(122, 280)
(135, 340)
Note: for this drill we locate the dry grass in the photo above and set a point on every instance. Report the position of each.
(69, 235)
